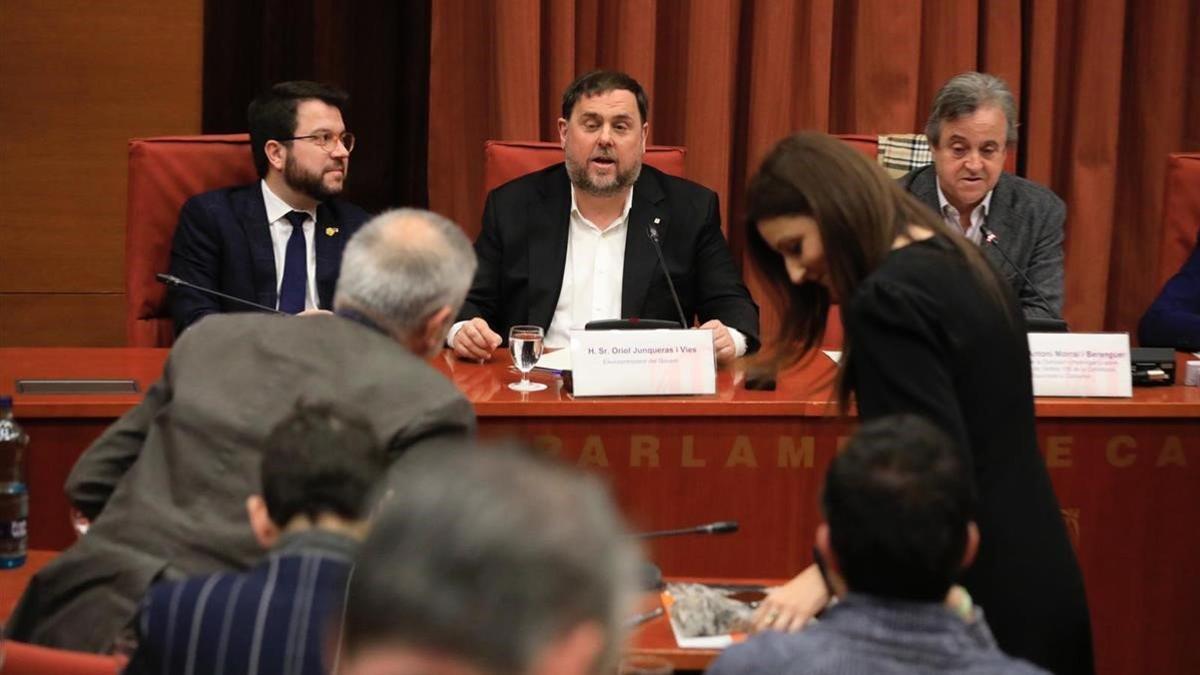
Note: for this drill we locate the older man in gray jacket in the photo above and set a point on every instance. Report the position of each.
(165, 486)
(1018, 223)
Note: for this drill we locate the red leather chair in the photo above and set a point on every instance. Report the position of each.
(866, 144)
(506, 160)
(163, 173)
(1181, 213)
(26, 659)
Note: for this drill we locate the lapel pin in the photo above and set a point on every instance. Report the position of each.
(330, 231)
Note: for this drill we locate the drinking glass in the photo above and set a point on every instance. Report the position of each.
(525, 345)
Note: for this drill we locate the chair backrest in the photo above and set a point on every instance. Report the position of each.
(26, 659)
(163, 173)
(505, 160)
(1181, 212)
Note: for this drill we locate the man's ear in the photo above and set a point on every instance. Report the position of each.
(575, 653)
(833, 569)
(433, 332)
(276, 154)
(562, 133)
(265, 530)
(972, 546)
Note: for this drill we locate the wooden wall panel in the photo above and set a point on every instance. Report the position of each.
(62, 319)
(77, 80)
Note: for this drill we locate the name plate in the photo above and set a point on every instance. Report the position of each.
(1080, 364)
(643, 362)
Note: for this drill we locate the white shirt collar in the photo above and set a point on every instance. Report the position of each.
(986, 204)
(276, 207)
(616, 223)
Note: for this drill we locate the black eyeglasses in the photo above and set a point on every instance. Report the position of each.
(326, 140)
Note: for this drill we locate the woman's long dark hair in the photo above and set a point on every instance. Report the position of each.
(860, 211)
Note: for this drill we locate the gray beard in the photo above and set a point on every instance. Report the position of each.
(582, 181)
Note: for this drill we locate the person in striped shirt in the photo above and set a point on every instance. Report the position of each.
(318, 468)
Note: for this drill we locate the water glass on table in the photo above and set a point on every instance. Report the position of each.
(525, 345)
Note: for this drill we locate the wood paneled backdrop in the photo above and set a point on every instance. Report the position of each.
(77, 80)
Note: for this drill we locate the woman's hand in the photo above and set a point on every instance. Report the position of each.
(789, 607)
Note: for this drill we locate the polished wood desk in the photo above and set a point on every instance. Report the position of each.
(1125, 471)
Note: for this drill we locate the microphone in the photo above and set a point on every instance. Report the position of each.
(650, 576)
(991, 238)
(175, 281)
(719, 527)
(652, 230)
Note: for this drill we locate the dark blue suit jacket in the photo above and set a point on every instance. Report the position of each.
(223, 242)
(274, 618)
(1174, 318)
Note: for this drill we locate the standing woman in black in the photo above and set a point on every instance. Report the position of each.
(930, 329)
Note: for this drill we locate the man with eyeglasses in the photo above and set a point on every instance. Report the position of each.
(277, 242)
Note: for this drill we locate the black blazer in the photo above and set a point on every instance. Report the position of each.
(522, 251)
(223, 242)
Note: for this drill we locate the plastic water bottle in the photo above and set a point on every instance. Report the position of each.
(14, 496)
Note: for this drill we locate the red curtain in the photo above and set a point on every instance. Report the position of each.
(1106, 89)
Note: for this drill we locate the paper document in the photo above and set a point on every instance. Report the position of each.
(833, 355)
(555, 361)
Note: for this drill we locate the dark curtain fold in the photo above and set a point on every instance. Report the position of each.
(1106, 89)
(377, 50)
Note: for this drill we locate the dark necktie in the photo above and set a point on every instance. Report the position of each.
(295, 267)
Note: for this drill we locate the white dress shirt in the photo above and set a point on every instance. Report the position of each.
(978, 216)
(281, 231)
(593, 277)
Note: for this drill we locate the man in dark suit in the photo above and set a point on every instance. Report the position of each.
(277, 242)
(165, 484)
(571, 243)
(1018, 223)
(1173, 320)
(318, 471)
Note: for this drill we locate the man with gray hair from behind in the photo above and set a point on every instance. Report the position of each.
(1019, 224)
(165, 486)
(490, 561)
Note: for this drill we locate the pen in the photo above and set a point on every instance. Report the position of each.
(639, 619)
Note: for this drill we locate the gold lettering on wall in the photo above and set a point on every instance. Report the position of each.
(1058, 452)
(549, 444)
(688, 460)
(1115, 451)
(643, 448)
(593, 453)
(1172, 453)
(742, 453)
(792, 457)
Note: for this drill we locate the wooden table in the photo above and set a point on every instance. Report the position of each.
(1125, 472)
(653, 638)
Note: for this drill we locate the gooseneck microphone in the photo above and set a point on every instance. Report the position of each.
(991, 238)
(175, 281)
(719, 527)
(652, 230)
(651, 576)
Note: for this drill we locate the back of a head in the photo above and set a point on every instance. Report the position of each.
(319, 461)
(272, 115)
(898, 501)
(404, 265)
(489, 556)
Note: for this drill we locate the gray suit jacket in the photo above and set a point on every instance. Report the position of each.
(1028, 222)
(166, 484)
